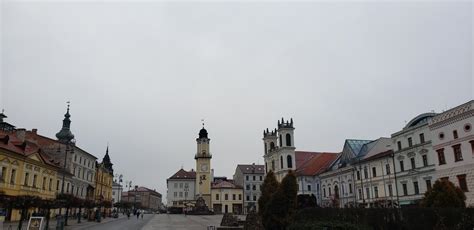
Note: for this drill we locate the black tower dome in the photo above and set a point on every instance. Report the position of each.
(203, 133)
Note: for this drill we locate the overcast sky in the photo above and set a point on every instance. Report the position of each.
(141, 76)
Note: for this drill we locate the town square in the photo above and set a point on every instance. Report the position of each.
(253, 115)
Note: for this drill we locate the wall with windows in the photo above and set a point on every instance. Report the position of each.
(453, 143)
(180, 191)
(227, 200)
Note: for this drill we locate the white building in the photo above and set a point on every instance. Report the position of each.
(309, 166)
(181, 189)
(279, 148)
(413, 160)
(339, 183)
(117, 190)
(453, 142)
(250, 178)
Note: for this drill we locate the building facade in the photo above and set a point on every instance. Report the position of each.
(145, 198)
(103, 180)
(203, 167)
(25, 170)
(181, 189)
(413, 160)
(453, 144)
(227, 198)
(279, 149)
(117, 190)
(250, 178)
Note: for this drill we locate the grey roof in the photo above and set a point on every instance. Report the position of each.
(252, 169)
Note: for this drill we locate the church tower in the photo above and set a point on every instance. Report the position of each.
(203, 167)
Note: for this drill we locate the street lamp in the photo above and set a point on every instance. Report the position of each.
(186, 189)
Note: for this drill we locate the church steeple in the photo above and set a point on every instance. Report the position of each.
(65, 135)
(106, 160)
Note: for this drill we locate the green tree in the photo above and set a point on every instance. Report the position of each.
(444, 195)
(269, 186)
(281, 208)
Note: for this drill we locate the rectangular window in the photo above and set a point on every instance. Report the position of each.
(410, 142)
(186, 194)
(387, 168)
(367, 191)
(180, 185)
(324, 192)
(358, 175)
(247, 187)
(457, 152)
(180, 194)
(422, 138)
(27, 177)
(247, 197)
(247, 177)
(366, 174)
(254, 187)
(399, 145)
(44, 183)
(330, 194)
(233, 196)
(405, 190)
(309, 187)
(12, 176)
(402, 167)
(217, 196)
(175, 194)
(390, 193)
(462, 182)
(350, 188)
(425, 160)
(417, 189)
(57, 185)
(472, 146)
(226, 196)
(360, 194)
(428, 184)
(441, 158)
(374, 172)
(261, 178)
(455, 134)
(34, 180)
(376, 192)
(240, 196)
(175, 185)
(4, 173)
(254, 178)
(412, 161)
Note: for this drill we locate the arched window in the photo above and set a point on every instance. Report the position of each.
(272, 145)
(266, 149)
(266, 167)
(289, 161)
(281, 141)
(288, 139)
(281, 162)
(336, 191)
(273, 165)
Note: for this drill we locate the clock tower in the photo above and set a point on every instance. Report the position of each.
(203, 167)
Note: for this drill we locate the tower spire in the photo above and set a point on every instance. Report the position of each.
(65, 135)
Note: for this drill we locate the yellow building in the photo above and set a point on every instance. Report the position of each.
(227, 198)
(24, 170)
(103, 181)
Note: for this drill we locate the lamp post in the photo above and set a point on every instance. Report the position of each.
(186, 189)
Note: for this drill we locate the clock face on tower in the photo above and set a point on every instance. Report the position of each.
(204, 168)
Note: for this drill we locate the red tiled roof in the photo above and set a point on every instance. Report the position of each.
(311, 163)
(143, 189)
(182, 174)
(224, 184)
(25, 148)
(253, 168)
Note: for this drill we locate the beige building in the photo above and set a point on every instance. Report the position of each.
(147, 198)
(227, 198)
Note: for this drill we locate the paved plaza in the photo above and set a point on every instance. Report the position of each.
(182, 222)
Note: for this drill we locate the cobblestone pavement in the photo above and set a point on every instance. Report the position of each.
(182, 222)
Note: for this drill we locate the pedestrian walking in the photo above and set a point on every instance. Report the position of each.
(142, 213)
(138, 214)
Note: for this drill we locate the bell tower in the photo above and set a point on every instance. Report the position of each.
(203, 167)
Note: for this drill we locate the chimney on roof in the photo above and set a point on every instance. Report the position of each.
(5, 140)
(34, 131)
(20, 134)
